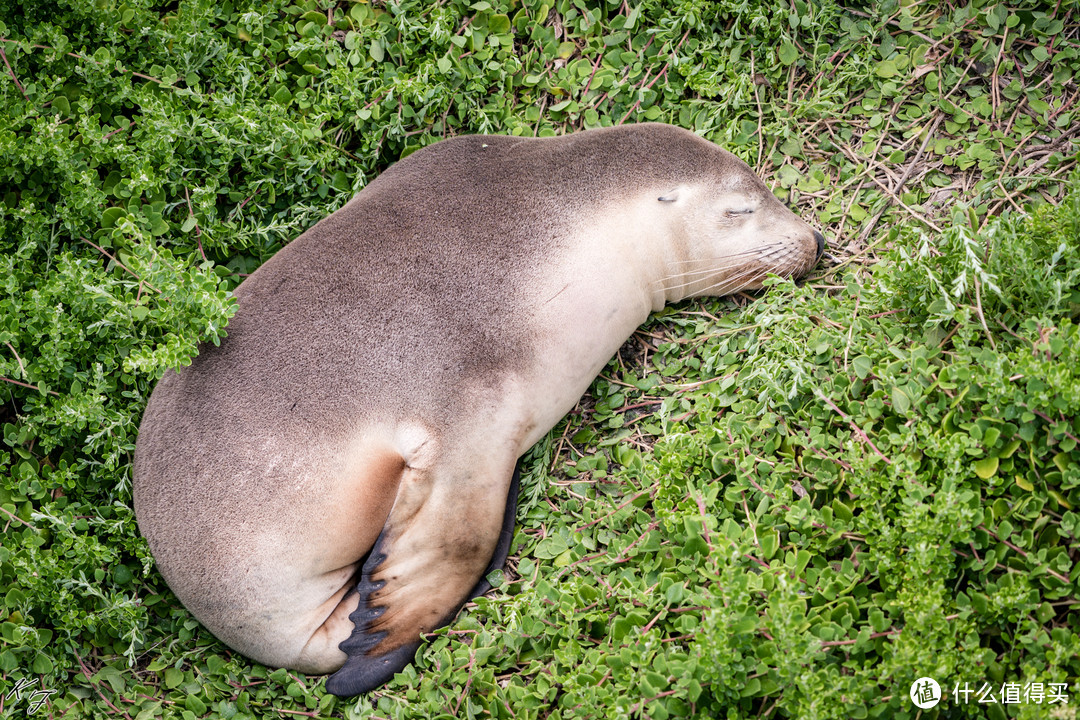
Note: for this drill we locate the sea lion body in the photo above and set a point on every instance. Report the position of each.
(359, 426)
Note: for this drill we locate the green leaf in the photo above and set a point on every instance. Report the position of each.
(42, 665)
(802, 559)
(987, 467)
(499, 24)
(886, 69)
(173, 677)
(900, 401)
(550, 547)
(375, 50)
(770, 542)
(111, 215)
(745, 625)
(788, 52)
(862, 366)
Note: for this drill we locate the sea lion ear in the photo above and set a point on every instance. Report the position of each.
(669, 197)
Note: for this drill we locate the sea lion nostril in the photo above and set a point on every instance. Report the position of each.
(820, 243)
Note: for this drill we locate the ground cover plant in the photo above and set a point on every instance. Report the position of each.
(792, 505)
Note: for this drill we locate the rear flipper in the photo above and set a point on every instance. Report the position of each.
(421, 588)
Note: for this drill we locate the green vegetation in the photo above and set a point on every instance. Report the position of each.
(787, 508)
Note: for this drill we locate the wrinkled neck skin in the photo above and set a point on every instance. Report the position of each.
(620, 268)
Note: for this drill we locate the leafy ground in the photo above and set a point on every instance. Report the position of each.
(785, 506)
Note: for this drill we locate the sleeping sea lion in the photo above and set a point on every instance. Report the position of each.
(336, 478)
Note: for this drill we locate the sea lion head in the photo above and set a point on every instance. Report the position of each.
(729, 232)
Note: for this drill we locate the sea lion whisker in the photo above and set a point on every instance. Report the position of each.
(703, 271)
(711, 268)
(711, 289)
(778, 251)
(734, 284)
(756, 251)
(685, 285)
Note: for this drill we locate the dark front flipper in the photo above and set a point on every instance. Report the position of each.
(395, 597)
